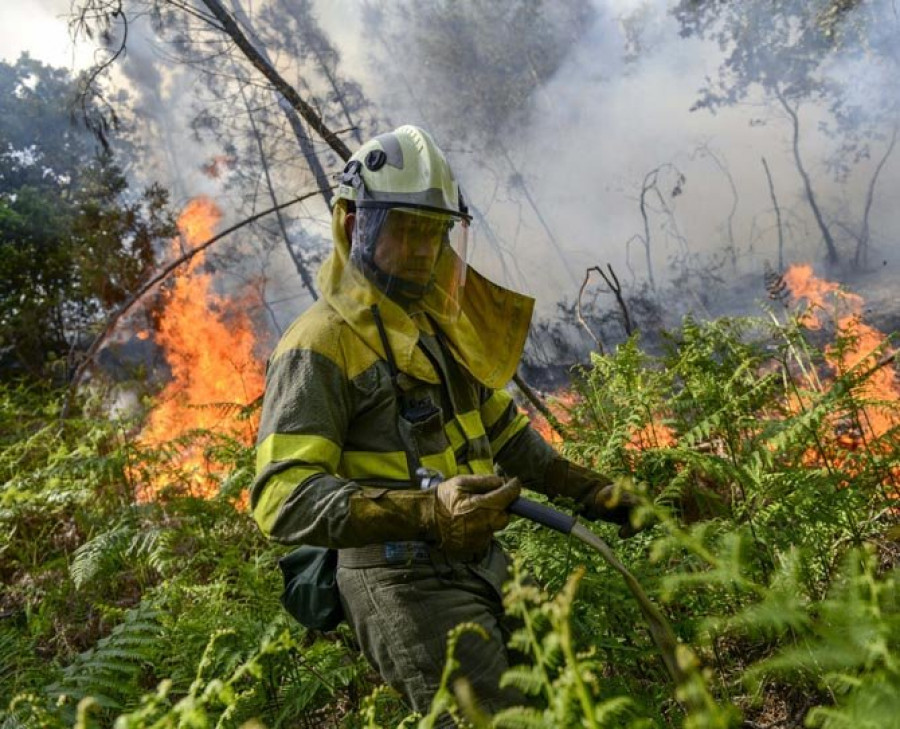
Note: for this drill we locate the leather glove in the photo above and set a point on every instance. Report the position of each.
(599, 497)
(468, 509)
(461, 514)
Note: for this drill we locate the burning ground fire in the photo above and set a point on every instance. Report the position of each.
(208, 343)
(869, 431)
(857, 350)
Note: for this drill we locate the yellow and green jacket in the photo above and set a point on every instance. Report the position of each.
(331, 422)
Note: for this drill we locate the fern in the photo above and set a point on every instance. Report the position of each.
(109, 672)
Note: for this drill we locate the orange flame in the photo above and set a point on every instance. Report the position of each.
(560, 405)
(655, 434)
(857, 349)
(209, 343)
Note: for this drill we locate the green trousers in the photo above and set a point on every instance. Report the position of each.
(401, 613)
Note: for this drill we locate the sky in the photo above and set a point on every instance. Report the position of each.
(41, 28)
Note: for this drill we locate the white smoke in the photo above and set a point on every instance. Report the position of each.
(582, 147)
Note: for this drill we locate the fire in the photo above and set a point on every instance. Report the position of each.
(862, 393)
(209, 344)
(560, 405)
(857, 348)
(655, 434)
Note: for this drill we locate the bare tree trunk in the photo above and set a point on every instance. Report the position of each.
(807, 183)
(723, 168)
(299, 263)
(861, 258)
(777, 216)
(332, 81)
(259, 62)
(307, 149)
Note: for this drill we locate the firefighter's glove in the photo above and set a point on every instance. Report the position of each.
(598, 497)
(613, 502)
(468, 509)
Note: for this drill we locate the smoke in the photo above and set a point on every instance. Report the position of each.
(555, 124)
(617, 108)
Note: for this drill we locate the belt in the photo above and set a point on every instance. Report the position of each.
(399, 553)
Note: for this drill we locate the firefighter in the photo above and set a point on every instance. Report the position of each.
(401, 365)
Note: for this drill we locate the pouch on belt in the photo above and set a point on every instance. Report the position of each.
(310, 587)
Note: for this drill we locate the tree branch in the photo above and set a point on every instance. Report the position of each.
(807, 183)
(284, 88)
(777, 216)
(862, 248)
(541, 406)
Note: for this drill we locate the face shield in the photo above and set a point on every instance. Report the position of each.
(416, 257)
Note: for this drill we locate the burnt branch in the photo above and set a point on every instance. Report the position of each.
(791, 111)
(612, 281)
(579, 312)
(862, 249)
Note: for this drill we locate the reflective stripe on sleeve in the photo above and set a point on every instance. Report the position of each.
(520, 422)
(494, 407)
(313, 450)
(278, 487)
(471, 424)
(444, 462)
(481, 465)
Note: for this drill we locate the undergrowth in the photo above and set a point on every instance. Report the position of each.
(773, 551)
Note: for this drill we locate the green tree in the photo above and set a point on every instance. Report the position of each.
(75, 241)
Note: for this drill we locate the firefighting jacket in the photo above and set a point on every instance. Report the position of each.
(334, 420)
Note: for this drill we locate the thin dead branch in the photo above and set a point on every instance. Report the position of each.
(580, 314)
(861, 256)
(615, 288)
(539, 404)
(613, 282)
(777, 216)
(791, 111)
(296, 257)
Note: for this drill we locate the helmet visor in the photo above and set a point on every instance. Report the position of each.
(415, 257)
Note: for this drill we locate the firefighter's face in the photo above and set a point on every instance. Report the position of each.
(408, 246)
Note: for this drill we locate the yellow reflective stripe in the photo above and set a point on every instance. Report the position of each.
(455, 435)
(369, 464)
(276, 489)
(481, 465)
(444, 462)
(519, 423)
(312, 449)
(494, 407)
(471, 424)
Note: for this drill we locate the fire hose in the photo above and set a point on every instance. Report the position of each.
(660, 630)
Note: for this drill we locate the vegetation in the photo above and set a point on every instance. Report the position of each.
(774, 557)
(75, 242)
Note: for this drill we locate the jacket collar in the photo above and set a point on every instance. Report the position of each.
(487, 337)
